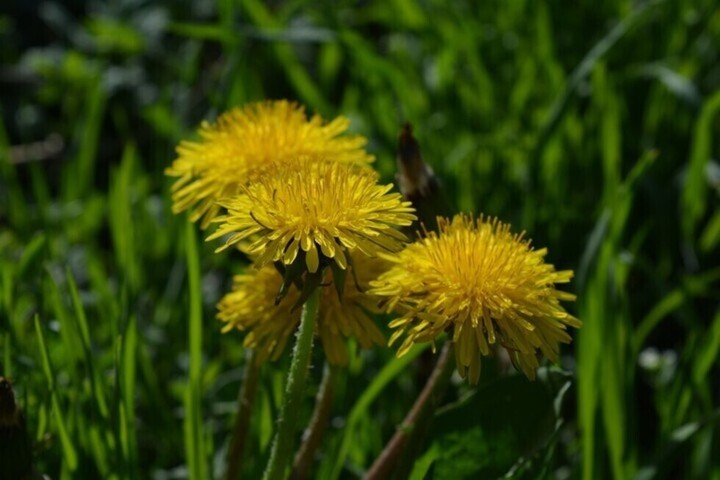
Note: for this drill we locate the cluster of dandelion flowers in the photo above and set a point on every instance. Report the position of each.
(250, 306)
(483, 284)
(244, 142)
(315, 213)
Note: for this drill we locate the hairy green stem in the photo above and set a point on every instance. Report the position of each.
(281, 453)
(417, 417)
(318, 424)
(246, 399)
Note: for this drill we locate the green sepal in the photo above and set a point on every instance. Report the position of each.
(292, 275)
(351, 266)
(312, 281)
(339, 276)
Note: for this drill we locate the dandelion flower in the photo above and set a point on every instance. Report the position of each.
(315, 213)
(483, 284)
(250, 306)
(244, 143)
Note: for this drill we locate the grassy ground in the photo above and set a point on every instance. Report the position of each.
(592, 125)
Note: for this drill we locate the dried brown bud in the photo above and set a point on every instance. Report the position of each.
(418, 182)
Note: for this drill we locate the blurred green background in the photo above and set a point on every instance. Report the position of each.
(592, 125)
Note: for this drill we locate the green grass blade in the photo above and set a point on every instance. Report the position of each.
(204, 31)
(422, 465)
(707, 354)
(711, 235)
(560, 106)
(82, 327)
(664, 307)
(80, 178)
(12, 193)
(68, 329)
(393, 368)
(69, 451)
(122, 226)
(295, 71)
(613, 404)
(694, 195)
(193, 426)
(31, 253)
(589, 349)
(128, 377)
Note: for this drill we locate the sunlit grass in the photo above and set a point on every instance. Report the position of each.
(593, 127)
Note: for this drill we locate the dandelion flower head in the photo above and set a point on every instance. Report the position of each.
(315, 213)
(483, 284)
(250, 306)
(244, 143)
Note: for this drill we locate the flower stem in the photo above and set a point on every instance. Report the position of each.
(246, 399)
(417, 418)
(318, 424)
(281, 453)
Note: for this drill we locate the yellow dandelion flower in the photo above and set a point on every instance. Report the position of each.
(315, 213)
(251, 307)
(244, 143)
(484, 284)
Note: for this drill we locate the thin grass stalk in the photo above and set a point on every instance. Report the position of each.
(246, 401)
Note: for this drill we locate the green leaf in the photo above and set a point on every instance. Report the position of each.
(485, 434)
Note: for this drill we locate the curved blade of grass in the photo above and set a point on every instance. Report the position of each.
(387, 374)
(667, 457)
(601, 344)
(671, 302)
(601, 48)
(126, 367)
(31, 253)
(82, 326)
(708, 352)
(193, 423)
(297, 75)
(69, 452)
(694, 195)
(77, 181)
